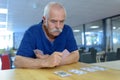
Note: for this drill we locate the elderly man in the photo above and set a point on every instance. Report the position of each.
(48, 44)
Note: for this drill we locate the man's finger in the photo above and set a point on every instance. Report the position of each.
(58, 53)
(37, 51)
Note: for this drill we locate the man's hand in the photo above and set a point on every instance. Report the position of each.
(53, 60)
(39, 54)
(49, 60)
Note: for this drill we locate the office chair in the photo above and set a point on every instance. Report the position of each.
(93, 54)
(111, 56)
(86, 58)
(118, 54)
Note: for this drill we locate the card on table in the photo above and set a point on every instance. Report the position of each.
(79, 72)
(99, 68)
(62, 73)
(93, 68)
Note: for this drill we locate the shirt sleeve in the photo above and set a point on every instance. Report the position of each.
(71, 42)
(27, 45)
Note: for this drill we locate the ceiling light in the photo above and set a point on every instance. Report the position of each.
(3, 23)
(76, 30)
(114, 27)
(94, 27)
(3, 11)
(100, 31)
(3, 29)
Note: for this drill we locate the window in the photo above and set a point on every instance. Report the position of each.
(6, 39)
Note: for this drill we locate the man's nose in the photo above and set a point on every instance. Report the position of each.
(58, 25)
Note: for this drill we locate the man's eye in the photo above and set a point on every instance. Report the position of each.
(53, 21)
(61, 21)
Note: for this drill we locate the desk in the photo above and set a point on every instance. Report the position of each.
(48, 74)
(110, 64)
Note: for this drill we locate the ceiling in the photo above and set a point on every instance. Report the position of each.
(24, 13)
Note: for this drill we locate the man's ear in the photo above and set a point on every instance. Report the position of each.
(44, 19)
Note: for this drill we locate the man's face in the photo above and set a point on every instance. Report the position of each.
(55, 22)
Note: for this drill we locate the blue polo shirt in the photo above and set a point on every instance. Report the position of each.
(34, 38)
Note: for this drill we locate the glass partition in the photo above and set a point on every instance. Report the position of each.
(116, 32)
(79, 35)
(94, 34)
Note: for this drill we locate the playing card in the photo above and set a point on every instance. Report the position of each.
(99, 68)
(38, 51)
(89, 69)
(93, 68)
(65, 53)
(79, 72)
(62, 73)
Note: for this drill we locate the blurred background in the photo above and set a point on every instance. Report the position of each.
(95, 23)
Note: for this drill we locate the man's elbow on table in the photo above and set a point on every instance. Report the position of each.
(16, 61)
(72, 58)
(77, 56)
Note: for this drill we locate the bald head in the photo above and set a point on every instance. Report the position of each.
(52, 6)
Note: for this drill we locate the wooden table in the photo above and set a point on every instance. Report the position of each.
(48, 74)
(110, 64)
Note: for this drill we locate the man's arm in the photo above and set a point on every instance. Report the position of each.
(50, 61)
(25, 62)
(70, 58)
